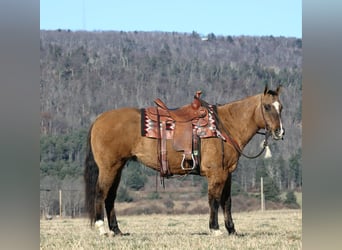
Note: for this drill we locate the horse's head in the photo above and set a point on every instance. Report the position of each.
(271, 108)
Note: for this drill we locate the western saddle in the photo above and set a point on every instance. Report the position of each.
(185, 137)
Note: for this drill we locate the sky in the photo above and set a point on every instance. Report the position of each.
(221, 17)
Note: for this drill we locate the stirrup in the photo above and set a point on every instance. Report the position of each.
(193, 163)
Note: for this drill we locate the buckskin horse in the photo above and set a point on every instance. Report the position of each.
(115, 137)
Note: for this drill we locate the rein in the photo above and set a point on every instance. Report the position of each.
(265, 144)
(267, 134)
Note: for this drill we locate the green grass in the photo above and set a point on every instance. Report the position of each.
(280, 229)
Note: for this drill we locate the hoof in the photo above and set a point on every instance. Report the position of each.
(237, 234)
(111, 233)
(216, 232)
(232, 232)
(124, 234)
(99, 225)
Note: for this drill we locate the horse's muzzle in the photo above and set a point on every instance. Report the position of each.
(278, 134)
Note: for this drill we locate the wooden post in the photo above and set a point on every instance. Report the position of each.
(262, 194)
(60, 203)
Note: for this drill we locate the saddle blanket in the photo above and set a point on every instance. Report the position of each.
(149, 128)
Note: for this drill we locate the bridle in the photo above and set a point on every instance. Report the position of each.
(230, 138)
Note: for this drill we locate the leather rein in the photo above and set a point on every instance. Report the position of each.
(230, 138)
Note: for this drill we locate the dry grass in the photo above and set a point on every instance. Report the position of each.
(279, 229)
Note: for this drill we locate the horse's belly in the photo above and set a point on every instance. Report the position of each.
(146, 151)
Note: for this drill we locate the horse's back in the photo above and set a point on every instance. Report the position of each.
(114, 133)
(124, 120)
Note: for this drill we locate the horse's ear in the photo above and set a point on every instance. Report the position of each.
(266, 89)
(279, 88)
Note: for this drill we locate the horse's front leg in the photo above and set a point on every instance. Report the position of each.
(213, 208)
(214, 194)
(226, 204)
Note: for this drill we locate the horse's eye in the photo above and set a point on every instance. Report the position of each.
(267, 107)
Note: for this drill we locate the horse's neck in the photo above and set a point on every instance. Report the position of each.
(241, 118)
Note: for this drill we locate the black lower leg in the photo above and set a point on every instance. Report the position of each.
(228, 222)
(99, 215)
(112, 222)
(213, 220)
(110, 210)
(226, 204)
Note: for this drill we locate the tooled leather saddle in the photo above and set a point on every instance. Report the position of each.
(184, 126)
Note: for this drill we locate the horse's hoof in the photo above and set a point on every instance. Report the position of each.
(232, 232)
(100, 227)
(125, 234)
(216, 232)
(237, 234)
(111, 233)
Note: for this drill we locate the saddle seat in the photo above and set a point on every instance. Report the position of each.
(192, 113)
(187, 113)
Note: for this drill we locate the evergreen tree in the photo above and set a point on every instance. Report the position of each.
(134, 177)
(296, 169)
(123, 194)
(291, 200)
(271, 190)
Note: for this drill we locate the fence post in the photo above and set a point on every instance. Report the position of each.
(262, 194)
(60, 203)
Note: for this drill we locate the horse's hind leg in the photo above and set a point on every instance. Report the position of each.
(99, 215)
(226, 205)
(110, 210)
(105, 185)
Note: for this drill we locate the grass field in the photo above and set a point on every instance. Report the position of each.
(278, 229)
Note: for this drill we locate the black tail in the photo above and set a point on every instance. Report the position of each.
(91, 173)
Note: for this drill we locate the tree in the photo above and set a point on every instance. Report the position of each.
(271, 190)
(204, 188)
(291, 200)
(123, 194)
(281, 173)
(211, 37)
(134, 177)
(295, 170)
(236, 189)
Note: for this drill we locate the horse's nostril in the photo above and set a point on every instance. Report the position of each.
(279, 132)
